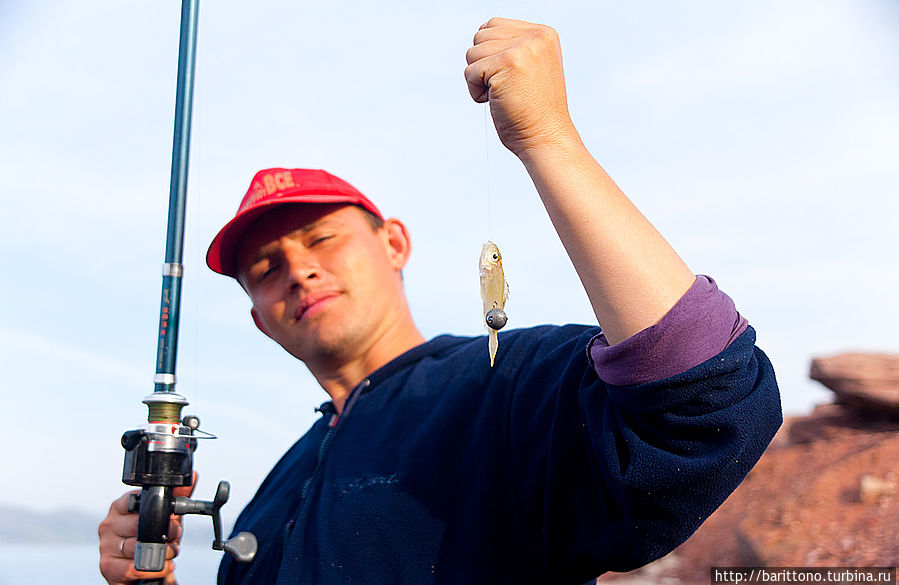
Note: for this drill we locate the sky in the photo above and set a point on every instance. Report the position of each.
(760, 138)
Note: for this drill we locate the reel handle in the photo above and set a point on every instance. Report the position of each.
(151, 546)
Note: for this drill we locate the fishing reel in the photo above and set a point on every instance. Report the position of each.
(159, 458)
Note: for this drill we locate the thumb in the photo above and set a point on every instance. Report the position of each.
(187, 490)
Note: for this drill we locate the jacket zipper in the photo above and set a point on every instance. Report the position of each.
(332, 427)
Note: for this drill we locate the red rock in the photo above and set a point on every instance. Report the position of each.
(866, 380)
(832, 421)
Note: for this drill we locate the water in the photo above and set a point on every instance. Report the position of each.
(77, 564)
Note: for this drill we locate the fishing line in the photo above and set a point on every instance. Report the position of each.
(194, 213)
(487, 169)
(199, 261)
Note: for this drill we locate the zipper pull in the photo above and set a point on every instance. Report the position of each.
(327, 408)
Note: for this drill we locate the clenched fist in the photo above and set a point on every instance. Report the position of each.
(517, 67)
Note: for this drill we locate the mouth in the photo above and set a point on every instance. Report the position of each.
(314, 303)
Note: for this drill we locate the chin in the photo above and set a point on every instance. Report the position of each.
(328, 344)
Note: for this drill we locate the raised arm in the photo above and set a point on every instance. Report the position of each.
(632, 276)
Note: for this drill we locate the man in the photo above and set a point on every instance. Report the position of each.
(579, 452)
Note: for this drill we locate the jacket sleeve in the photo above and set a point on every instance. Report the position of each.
(615, 476)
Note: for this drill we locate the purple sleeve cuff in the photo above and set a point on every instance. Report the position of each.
(699, 326)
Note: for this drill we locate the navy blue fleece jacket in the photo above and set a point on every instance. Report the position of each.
(443, 470)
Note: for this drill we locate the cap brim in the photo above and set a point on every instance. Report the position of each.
(221, 255)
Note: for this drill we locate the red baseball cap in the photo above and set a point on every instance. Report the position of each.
(271, 187)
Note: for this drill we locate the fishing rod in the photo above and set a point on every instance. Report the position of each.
(159, 455)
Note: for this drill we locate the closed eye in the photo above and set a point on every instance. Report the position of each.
(268, 272)
(320, 239)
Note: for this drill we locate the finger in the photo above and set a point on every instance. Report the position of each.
(480, 73)
(187, 491)
(124, 544)
(118, 536)
(487, 49)
(176, 529)
(525, 31)
(120, 506)
(122, 571)
(125, 549)
(495, 33)
(498, 21)
(171, 551)
(477, 84)
(127, 546)
(114, 529)
(134, 575)
(116, 571)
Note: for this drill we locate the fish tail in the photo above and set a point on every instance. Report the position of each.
(492, 345)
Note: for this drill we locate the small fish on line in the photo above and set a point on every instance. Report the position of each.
(494, 294)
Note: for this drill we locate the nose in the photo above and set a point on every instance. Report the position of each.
(302, 269)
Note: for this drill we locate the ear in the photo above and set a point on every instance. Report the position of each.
(399, 245)
(259, 323)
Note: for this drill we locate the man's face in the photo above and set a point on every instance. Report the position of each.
(321, 279)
